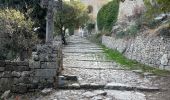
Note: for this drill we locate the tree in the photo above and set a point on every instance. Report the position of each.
(69, 16)
(107, 15)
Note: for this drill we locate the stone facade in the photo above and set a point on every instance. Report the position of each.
(129, 8)
(40, 72)
(152, 51)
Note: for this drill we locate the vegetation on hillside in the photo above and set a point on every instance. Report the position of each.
(156, 7)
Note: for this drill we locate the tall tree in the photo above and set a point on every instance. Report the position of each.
(70, 15)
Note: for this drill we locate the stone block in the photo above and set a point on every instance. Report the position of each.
(16, 74)
(16, 68)
(5, 84)
(167, 68)
(2, 69)
(2, 63)
(6, 74)
(22, 63)
(43, 65)
(49, 65)
(45, 72)
(35, 64)
(20, 88)
(53, 65)
(52, 57)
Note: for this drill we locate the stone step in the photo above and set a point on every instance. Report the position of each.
(118, 86)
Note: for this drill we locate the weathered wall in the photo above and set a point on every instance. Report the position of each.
(15, 76)
(128, 8)
(153, 51)
(40, 72)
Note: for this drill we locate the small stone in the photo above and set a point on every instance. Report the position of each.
(46, 91)
(5, 95)
(147, 74)
(76, 85)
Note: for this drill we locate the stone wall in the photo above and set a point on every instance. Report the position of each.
(15, 76)
(39, 72)
(153, 51)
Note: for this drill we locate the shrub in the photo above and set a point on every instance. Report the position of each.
(16, 34)
(107, 15)
(130, 32)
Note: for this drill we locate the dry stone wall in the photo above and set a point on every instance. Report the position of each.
(38, 73)
(152, 51)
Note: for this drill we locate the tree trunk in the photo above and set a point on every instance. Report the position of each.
(63, 36)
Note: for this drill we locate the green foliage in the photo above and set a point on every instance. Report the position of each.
(72, 15)
(107, 15)
(16, 34)
(131, 64)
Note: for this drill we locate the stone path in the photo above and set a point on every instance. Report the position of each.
(87, 61)
(98, 78)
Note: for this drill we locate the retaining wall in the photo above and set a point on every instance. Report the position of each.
(39, 72)
(152, 51)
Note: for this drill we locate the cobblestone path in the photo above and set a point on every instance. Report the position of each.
(99, 78)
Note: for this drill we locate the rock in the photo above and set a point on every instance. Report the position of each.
(115, 85)
(161, 17)
(46, 91)
(20, 88)
(100, 92)
(16, 74)
(164, 59)
(2, 69)
(76, 85)
(5, 95)
(88, 94)
(147, 74)
(36, 58)
(97, 98)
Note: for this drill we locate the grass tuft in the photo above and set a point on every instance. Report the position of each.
(132, 64)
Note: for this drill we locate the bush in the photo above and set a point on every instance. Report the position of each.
(130, 32)
(107, 15)
(16, 34)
